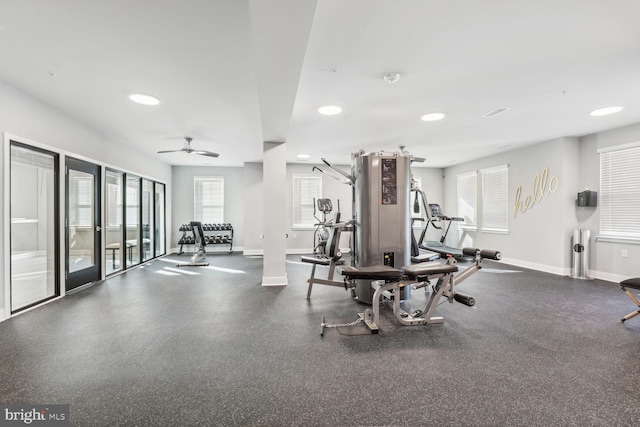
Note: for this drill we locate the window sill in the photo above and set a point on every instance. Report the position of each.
(303, 228)
(494, 231)
(610, 239)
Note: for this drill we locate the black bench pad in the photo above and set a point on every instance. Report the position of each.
(427, 268)
(373, 272)
(631, 283)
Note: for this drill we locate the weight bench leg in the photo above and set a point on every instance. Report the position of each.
(635, 300)
(313, 274)
(630, 315)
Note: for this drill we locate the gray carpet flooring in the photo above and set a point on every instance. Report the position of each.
(166, 346)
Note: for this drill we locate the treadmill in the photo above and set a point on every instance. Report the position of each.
(436, 217)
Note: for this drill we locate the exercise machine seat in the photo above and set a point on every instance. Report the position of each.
(374, 272)
(429, 268)
(633, 283)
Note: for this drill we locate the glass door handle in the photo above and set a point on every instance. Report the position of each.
(98, 228)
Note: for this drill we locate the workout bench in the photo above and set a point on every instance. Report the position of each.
(388, 282)
(634, 284)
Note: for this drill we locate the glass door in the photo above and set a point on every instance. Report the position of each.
(159, 222)
(147, 220)
(114, 230)
(34, 226)
(83, 226)
(132, 219)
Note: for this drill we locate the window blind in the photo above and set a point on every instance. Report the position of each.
(209, 199)
(620, 193)
(467, 189)
(305, 189)
(495, 199)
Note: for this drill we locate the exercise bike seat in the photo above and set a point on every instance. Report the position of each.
(428, 268)
(374, 272)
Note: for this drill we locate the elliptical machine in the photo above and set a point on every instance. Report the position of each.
(321, 234)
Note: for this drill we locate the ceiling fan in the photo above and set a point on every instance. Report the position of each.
(190, 150)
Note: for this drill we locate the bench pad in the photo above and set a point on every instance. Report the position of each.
(631, 283)
(373, 272)
(427, 268)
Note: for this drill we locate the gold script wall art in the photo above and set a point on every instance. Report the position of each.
(542, 187)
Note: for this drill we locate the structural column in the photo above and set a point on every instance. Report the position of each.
(274, 181)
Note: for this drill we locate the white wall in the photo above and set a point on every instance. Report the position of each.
(301, 241)
(244, 205)
(183, 200)
(541, 237)
(538, 238)
(27, 120)
(607, 261)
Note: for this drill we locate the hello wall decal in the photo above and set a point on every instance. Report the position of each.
(542, 188)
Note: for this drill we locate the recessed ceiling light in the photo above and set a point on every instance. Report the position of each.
(330, 110)
(606, 111)
(432, 117)
(303, 157)
(144, 99)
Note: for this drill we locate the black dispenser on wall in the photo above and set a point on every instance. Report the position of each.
(587, 198)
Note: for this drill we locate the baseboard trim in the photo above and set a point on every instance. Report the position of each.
(274, 281)
(559, 271)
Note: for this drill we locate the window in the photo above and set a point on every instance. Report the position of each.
(305, 190)
(467, 188)
(619, 195)
(82, 209)
(209, 199)
(495, 199)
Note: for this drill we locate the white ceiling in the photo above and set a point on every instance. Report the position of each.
(234, 73)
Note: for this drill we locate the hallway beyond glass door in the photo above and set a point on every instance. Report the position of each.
(34, 226)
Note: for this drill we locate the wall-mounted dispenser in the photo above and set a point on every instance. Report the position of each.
(587, 198)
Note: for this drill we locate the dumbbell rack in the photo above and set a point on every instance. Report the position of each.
(214, 234)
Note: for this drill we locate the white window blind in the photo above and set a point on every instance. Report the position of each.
(209, 199)
(495, 199)
(305, 189)
(620, 193)
(467, 189)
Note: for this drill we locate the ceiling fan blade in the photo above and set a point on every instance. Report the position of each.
(206, 153)
(169, 151)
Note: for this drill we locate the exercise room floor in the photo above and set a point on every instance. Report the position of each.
(163, 346)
